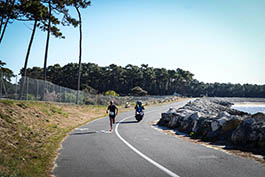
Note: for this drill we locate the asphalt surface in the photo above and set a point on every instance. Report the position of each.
(137, 149)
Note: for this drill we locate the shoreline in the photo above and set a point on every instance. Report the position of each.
(240, 99)
(248, 104)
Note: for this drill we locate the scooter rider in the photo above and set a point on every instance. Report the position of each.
(138, 107)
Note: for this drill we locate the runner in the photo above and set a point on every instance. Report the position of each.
(113, 111)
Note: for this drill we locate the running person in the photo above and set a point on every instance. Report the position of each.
(113, 111)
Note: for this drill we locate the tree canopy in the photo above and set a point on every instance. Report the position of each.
(5, 73)
(155, 81)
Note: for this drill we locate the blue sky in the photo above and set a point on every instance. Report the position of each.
(216, 40)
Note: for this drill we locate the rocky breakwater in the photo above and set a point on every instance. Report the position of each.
(214, 120)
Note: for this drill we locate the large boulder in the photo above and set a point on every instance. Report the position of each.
(250, 132)
(187, 123)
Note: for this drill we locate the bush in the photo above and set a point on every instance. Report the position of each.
(90, 101)
(68, 97)
(111, 93)
(90, 90)
(138, 91)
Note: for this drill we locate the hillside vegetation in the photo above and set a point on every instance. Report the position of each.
(31, 132)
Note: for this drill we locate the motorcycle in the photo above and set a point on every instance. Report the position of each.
(139, 115)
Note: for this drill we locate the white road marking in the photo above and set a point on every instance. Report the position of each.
(170, 173)
(82, 129)
(104, 131)
(85, 130)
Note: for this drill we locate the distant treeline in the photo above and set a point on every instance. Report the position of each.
(156, 81)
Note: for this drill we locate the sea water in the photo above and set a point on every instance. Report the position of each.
(250, 108)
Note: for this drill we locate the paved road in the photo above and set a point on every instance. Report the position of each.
(137, 149)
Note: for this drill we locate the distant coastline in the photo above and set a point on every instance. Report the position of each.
(249, 105)
(243, 100)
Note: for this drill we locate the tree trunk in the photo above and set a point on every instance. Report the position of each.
(1, 24)
(47, 42)
(80, 54)
(6, 22)
(2, 20)
(24, 74)
(3, 32)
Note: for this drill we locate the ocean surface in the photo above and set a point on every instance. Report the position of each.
(252, 109)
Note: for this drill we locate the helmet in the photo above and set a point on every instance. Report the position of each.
(139, 103)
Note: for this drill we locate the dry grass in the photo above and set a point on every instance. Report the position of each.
(31, 132)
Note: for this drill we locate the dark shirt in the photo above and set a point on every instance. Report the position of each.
(112, 108)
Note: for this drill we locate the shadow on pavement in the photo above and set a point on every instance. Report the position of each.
(83, 133)
(168, 129)
(127, 122)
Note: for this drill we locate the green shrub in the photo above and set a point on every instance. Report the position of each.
(111, 93)
(68, 97)
(138, 91)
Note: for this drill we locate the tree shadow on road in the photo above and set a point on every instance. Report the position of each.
(91, 132)
(127, 122)
(83, 133)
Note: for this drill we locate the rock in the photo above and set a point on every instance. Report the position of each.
(221, 102)
(203, 117)
(231, 124)
(173, 122)
(197, 125)
(171, 110)
(212, 120)
(223, 114)
(238, 136)
(236, 112)
(259, 115)
(196, 115)
(187, 123)
(166, 117)
(250, 132)
(215, 125)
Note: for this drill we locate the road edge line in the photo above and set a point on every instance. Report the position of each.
(170, 173)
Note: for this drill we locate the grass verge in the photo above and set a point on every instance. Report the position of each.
(31, 133)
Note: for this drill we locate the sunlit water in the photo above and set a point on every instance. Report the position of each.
(252, 109)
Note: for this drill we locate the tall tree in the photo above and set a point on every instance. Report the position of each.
(77, 5)
(33, 10)
(48, 39)
(60, 8)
